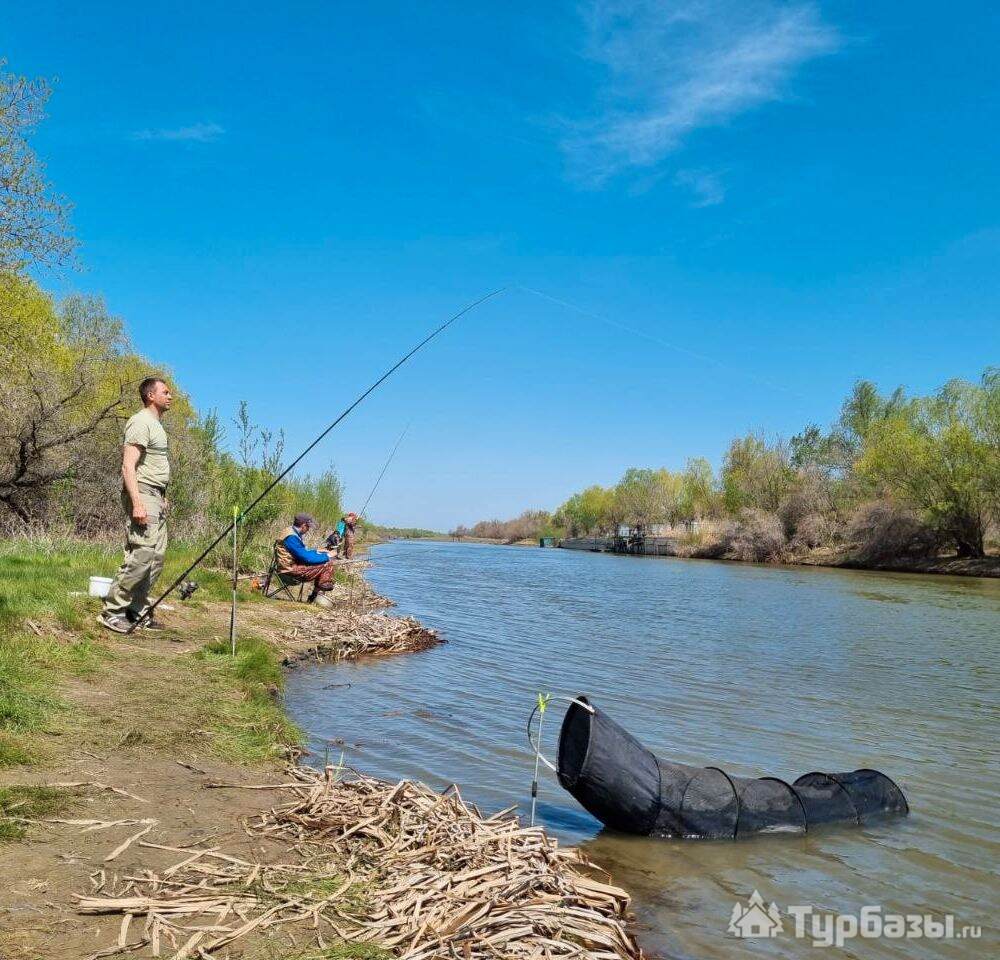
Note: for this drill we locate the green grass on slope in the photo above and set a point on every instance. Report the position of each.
(28, 803)
(42, 582)
(253, 728)
(38, 578)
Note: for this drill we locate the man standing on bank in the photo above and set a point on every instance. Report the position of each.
(145, 475)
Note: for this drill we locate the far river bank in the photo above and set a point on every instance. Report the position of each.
(833, 557)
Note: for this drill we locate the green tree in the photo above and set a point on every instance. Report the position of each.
(940, 454)
(699, 497)
(756, 474)
(863, 411)
(586, 512)
(645, 496)
(63, 386)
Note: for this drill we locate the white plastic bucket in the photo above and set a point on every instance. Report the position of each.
(100, 586)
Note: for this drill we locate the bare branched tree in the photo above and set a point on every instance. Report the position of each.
(62, 393)
(34, 221)
(46, 435)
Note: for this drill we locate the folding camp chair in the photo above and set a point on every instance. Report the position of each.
(278, 584)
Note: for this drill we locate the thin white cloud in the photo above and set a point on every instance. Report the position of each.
(674, 66)
(706, 185)
(195, 133)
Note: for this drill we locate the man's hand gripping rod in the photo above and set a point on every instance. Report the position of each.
(284, 473)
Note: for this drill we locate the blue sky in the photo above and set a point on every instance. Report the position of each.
(746, 206)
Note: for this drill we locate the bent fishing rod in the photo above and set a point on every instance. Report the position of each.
(371, 493)
(148, 613)
(385, 467)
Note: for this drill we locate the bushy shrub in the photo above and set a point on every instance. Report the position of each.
(881, 531)
(809, 498)
(756, 535)
(811, 531)
(528, 526)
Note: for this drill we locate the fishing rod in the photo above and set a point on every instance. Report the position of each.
(142, 618)
(371, 493)
(385, 467)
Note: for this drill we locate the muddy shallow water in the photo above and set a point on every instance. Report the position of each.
(760, 670)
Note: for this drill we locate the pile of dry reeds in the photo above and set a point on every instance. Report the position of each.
(338, 635)
(419, 873)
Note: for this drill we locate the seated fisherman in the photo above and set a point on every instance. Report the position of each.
(336, 538)
(295, 559)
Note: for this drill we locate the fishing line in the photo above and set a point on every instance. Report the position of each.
(663, 343)
(371, 493)
(284, 473)
(385, 467)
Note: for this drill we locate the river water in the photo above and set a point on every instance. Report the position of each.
(759, 670)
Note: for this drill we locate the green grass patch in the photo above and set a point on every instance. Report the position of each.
(322, 885)
(25, 700)
(164, 702)
(254, 663)
(29, 667)
(253, 728)
(315, 887)
(252, 732)
(346, 951)
(37, 578)
(29, 803)
(14, 754)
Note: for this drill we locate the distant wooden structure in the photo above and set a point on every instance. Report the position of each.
(647, 540)
(650, 539)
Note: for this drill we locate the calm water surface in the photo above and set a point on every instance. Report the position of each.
(756, 669)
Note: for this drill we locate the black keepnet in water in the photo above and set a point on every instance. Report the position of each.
(627, 788)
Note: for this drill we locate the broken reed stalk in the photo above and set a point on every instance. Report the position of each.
(419, 873)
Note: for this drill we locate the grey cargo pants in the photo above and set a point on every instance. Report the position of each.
(145, 548)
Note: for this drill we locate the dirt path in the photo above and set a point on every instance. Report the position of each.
(38, 920)
(144, 735)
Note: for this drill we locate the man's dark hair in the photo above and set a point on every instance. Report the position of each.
(146, 387)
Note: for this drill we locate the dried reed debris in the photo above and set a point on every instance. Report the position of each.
(335, 635)
(419, 873)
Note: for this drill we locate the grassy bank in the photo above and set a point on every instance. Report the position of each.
(164, 694)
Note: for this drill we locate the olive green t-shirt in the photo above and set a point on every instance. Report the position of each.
(144, 430)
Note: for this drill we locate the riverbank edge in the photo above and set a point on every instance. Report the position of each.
(120, 788)
(832, 558)
(983, 567)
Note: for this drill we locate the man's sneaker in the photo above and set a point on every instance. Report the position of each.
(150, 623)
(115, 622)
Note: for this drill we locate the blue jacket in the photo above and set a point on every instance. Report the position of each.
(296, 547)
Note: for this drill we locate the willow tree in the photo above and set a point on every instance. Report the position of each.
(645, 496)
(588, 511)
(756, 474)
(699, 495)
(941, 454)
